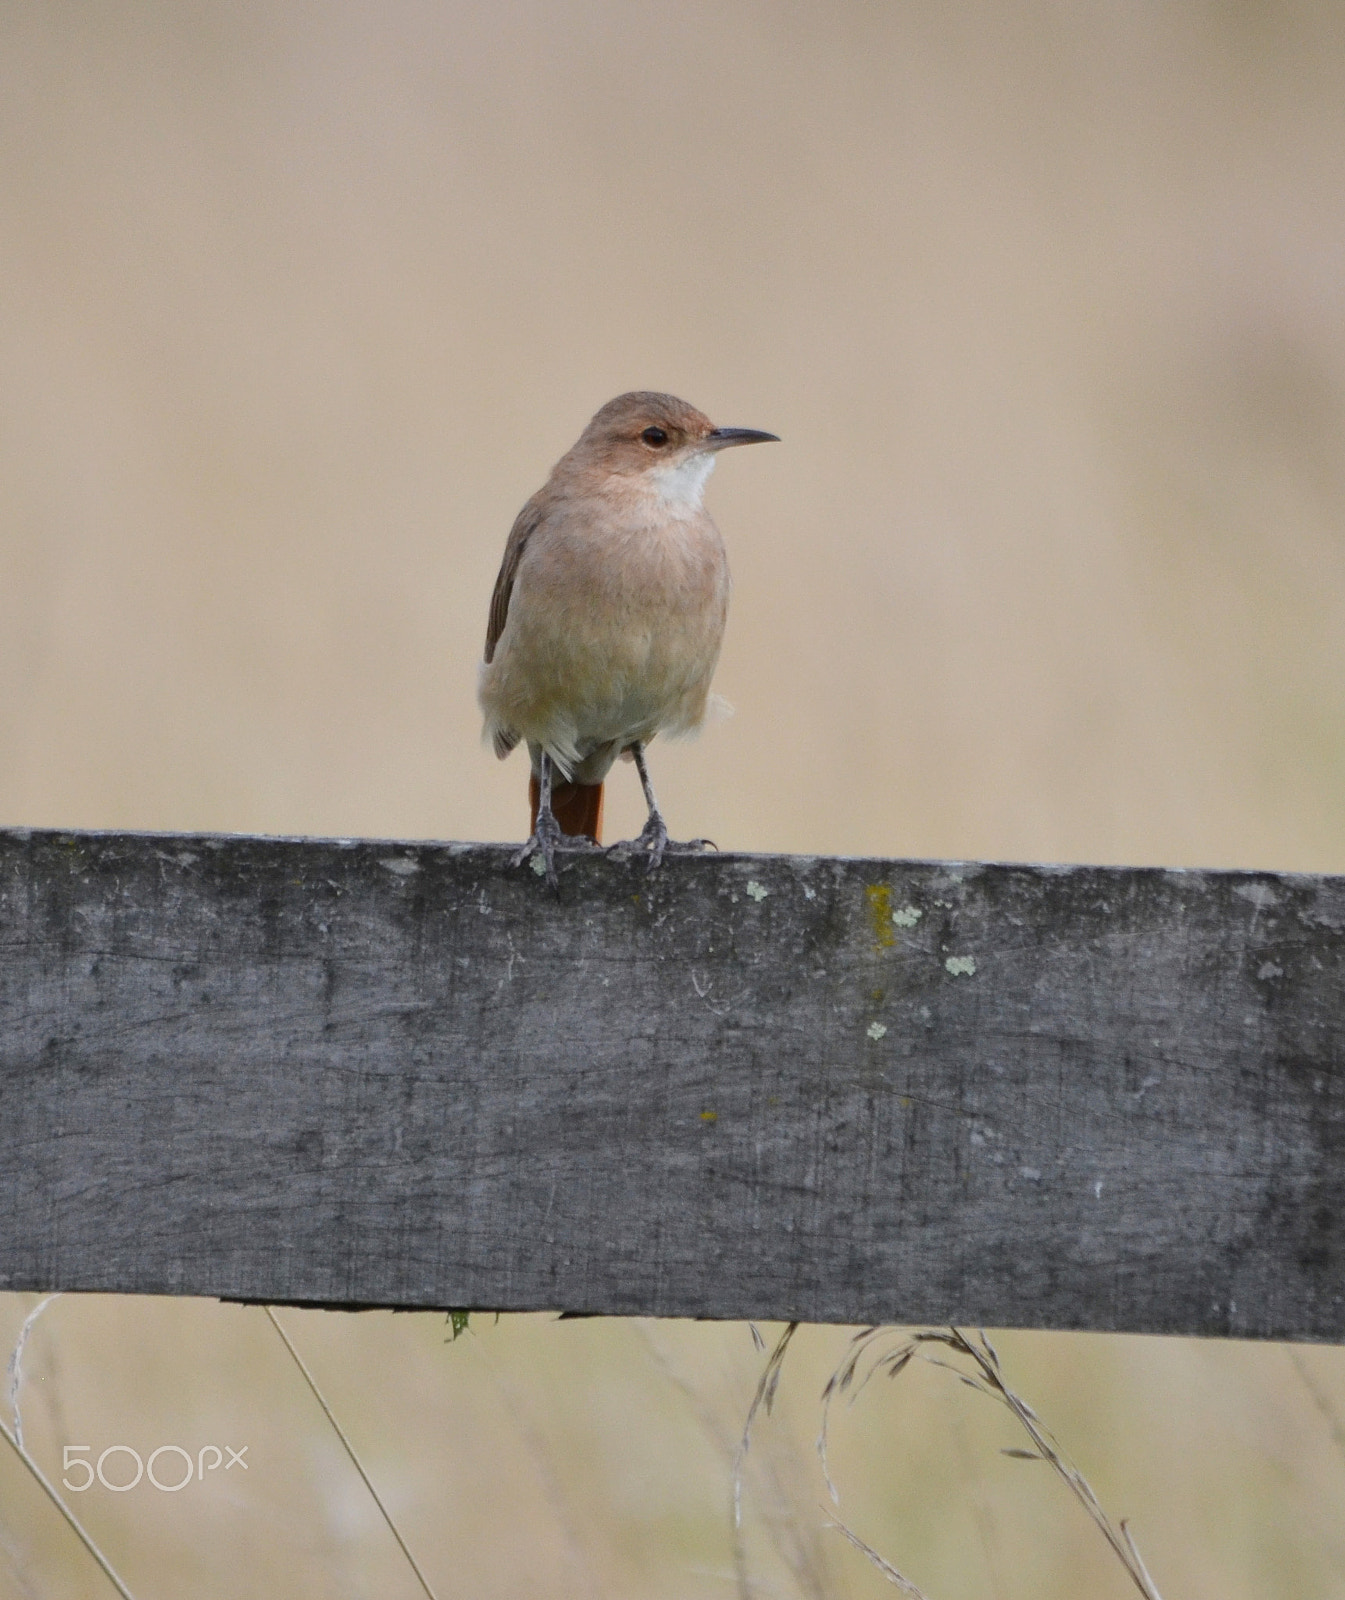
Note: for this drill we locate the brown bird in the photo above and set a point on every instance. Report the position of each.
(608, 614)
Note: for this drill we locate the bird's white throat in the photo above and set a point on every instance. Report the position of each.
(682, 486)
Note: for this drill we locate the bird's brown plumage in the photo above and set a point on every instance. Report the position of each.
(609, 608)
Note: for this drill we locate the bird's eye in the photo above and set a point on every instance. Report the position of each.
(654, 436)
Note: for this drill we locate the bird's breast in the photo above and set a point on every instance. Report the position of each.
(614, 627)
(624, 562)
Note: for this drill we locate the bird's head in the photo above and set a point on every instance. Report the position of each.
(659, 440)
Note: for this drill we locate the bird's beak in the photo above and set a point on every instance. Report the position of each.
(722, 438)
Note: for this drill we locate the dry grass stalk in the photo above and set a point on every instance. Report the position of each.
(1320, 1399)
(350, 1451)
(719, 1435)
(780, 1504)
(16, 1443)
(872, 1350)
(16, 1361)
(897, 1579)
(85, 1538)
(768, 1383)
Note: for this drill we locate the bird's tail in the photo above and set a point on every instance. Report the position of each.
(576, 806)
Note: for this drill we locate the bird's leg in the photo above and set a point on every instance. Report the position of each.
(654, 835)
(546, 834)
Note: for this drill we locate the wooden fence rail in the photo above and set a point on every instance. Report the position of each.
(358, 1072)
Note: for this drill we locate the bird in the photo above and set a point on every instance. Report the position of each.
(608, 614)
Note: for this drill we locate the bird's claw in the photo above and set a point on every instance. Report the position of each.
(653, 839)
(545, 841)
(542, 847)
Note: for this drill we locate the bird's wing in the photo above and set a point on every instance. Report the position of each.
(525, 525)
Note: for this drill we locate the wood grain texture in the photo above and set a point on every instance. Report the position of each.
(404, 1075)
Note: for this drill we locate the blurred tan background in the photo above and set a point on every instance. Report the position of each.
(298, 304)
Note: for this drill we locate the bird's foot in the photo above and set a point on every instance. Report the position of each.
(541, 848)
(653, 839)
(546, 841)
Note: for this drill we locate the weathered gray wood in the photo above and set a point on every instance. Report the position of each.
(375, 1073)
